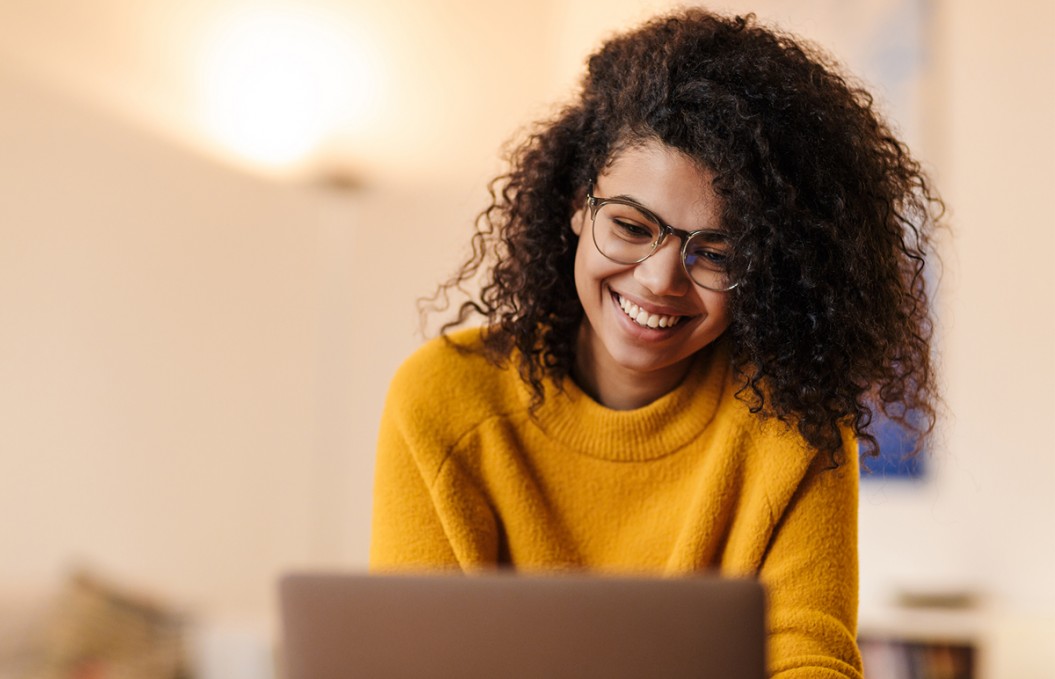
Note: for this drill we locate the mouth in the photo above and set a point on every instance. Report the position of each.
(643, 318)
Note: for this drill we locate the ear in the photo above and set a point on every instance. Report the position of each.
(579, 217)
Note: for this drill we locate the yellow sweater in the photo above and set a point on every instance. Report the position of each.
(468, 478)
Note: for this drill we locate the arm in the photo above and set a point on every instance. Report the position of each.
(430, 511)
(405, 531)
(811, 573)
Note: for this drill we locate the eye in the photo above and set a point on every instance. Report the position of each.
(632, 231)
(706, 257)
(627, 224)
(709, 251)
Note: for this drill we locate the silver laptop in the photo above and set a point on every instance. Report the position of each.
(500, 626)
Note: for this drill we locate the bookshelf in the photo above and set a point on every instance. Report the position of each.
(922, 643)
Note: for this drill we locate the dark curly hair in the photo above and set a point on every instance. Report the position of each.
(830, 216)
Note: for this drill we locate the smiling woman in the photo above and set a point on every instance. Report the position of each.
(704, 274)
(625, 359)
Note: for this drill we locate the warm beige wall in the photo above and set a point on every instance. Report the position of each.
(993, 506)
(442, 107)
(158, 360)
(192, 360)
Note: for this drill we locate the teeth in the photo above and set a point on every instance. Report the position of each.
(643, 318)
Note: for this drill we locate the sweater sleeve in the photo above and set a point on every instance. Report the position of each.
(406, 532)
(811, 573)
(430, 510)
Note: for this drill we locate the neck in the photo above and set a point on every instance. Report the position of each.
(620, 388)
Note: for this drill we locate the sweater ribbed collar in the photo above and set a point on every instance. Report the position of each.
(572, 418)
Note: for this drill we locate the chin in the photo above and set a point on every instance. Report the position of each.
(641, 360)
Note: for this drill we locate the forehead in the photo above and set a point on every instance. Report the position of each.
(664, 180)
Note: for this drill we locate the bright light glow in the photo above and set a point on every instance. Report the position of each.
(278, 79)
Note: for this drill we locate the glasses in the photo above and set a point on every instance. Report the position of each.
(628, 233)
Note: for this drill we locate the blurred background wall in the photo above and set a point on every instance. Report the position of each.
(216, 216)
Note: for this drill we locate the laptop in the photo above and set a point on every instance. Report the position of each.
(504, 625)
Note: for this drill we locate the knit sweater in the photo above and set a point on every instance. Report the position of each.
(469, 477)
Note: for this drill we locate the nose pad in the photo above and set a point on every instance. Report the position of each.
(663, 272)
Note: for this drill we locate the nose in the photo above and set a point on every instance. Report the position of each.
(663, 273)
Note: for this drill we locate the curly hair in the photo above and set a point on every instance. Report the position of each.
(830, 216)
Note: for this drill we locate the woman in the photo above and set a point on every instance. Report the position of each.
(706, 275)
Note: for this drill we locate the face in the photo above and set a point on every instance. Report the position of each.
(616, 338)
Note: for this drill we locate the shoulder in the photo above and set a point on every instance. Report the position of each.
(448, 386)
(773, 449)
(792, 469)
(448, 366)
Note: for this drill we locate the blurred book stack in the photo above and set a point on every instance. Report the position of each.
(899, 659)
(96, 630)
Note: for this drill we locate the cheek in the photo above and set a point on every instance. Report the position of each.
(592, 271)
(718, 312)
(582, 270)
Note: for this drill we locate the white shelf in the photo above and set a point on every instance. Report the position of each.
(925, 625)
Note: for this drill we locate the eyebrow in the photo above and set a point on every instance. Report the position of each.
(639, 203)
(623, 196)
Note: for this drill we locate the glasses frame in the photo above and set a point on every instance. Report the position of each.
(595, 204)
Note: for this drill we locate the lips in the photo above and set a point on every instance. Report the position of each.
(644, 318)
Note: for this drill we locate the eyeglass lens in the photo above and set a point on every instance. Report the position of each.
(627, 235)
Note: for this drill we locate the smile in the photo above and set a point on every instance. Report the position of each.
(644, 318)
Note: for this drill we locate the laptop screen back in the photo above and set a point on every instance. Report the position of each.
(513, 626)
